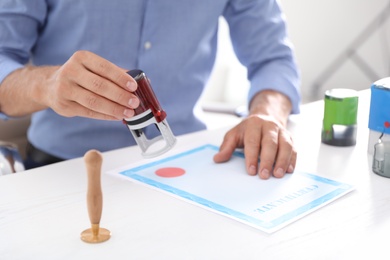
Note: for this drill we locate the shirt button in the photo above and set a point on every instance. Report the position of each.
(147, 45)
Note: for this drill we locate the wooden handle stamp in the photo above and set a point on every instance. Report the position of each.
(93, 163)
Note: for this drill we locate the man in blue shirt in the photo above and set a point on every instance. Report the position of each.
(65, 62)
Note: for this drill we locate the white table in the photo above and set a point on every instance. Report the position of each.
(43, 211)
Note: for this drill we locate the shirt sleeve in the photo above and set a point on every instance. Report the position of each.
(259, 37)
(20, 22)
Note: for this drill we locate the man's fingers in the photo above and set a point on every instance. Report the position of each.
(94, 106)
(269, 150)
(287, 155)
(252, 142)
(110, 91)
(96, 84)
(227, 147)
(80, 110)
(282, 161)
(106, 69)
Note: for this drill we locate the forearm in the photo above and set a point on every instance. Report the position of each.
(23, 91)
(271, 103)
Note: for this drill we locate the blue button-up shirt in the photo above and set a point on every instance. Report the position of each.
(173, 41)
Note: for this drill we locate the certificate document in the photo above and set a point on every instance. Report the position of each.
(226, 188)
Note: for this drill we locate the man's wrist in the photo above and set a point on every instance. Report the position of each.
(271, 103)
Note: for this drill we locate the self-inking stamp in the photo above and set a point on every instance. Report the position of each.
(379, 127)
(340, 117)
(147, 113)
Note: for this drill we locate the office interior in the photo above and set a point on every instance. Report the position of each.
(338, 44)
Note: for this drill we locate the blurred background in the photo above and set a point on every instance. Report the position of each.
(339, 44)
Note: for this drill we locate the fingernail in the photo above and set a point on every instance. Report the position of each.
(131, 85)
(290, 168)
(264, 174)
(252, 170)
(128, 113)
(279, 173)
(132, 102)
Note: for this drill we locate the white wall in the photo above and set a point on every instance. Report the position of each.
(322, 32)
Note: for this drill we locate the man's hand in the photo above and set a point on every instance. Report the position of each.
(263, 135)
(86, 85)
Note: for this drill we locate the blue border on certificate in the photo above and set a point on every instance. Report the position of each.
(133, 173)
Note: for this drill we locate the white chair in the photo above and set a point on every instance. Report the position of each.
(13, 141)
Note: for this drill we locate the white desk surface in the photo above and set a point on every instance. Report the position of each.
(43, 211)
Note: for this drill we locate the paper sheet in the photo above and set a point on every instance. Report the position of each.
(227, 189)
